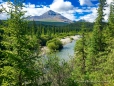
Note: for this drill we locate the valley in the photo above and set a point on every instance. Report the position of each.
(53, 50)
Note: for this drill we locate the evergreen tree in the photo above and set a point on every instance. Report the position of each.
(97, 49)
(97, 40)
(109, 33)
(21, 51)
(111, 20)
(80, 73)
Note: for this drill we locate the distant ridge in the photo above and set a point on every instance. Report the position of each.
(50, 16)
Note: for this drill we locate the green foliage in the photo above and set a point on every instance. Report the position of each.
(71, 39)
(7, 76)
(54, 44)
(57, 31)
(111, 20)
(80, 72)
(97, 41)
(56, 71)
(44, 39)
(19, 50)
(95, 51)
(20, 65)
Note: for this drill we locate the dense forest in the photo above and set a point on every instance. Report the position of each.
(20, 47)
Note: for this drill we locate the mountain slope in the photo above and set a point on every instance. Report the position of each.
(50, 16)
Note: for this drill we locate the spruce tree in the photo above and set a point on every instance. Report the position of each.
(97, 40)
(80, 73)
(111, 19)
(21, 51)
(96, 55)
(109, 65)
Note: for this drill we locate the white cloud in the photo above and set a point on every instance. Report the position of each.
(108, 1)
(85, 2)
(90, 17)
(107, 9)
(32, 11)
(30, 5)
(65, 8)
(82, 10)
(68, 14)
(6, 6)
(61, 5)
(3, 16)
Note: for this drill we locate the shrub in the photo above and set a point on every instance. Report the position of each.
(54, 44)
(71, 39)
(44, 39)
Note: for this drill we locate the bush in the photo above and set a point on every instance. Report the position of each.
(44, 39)
(71, 39)
(54, 44)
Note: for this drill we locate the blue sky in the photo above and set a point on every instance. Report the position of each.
(72, 9)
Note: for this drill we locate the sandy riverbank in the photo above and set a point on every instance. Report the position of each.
(68, 39)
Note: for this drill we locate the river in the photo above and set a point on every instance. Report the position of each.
(67, 52)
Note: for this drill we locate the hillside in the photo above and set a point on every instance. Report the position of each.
(50, 16)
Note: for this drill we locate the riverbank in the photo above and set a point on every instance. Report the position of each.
(69, 39)
(64, 41)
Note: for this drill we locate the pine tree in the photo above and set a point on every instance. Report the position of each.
(109, 65)
(97, 41)
(111, 20)
(80, 73)
(21, 51)
(96, 54)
